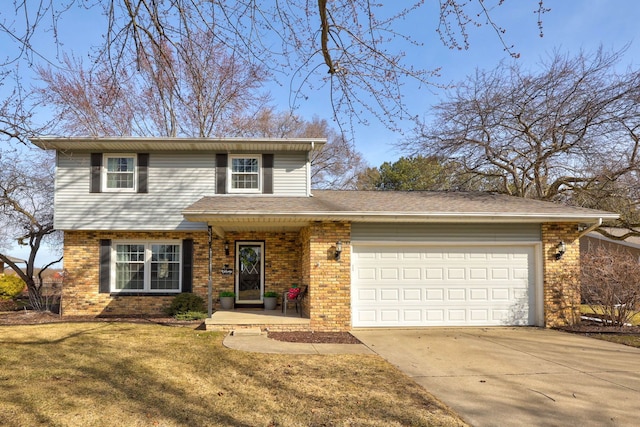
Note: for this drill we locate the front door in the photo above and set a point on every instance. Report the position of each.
(249, 272)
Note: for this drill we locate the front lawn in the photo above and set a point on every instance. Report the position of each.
(586, 310)
(629, 335)
(128, 374)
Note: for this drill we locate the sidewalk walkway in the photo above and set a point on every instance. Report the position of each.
(255, 342)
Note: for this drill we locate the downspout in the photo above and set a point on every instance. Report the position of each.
(591, 228)
(210, 285)
(309, 169)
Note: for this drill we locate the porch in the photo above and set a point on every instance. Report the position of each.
(246, 318)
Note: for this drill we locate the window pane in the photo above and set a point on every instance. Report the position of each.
(244, 181)
(244, 165)
(120, 164)
(120, 172)
(119, 180)
(129, 267)
(165, 267)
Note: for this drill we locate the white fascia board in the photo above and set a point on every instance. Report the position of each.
(390, 217)
(175, 144)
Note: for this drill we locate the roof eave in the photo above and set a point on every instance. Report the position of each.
(173, 144)
(396, 217)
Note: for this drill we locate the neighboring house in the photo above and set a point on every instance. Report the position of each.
(594, 240)
(13, 260)
(147, 218)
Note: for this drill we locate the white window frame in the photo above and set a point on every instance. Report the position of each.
(147, 266)
(105, 172)
(230, 174)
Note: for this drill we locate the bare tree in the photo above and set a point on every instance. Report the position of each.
(354, 48)
(15, 113)
(336, 166)
(611, 284)
(26, 212)
(196, 90)
(567, 133)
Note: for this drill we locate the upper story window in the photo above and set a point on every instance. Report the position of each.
(244, 174)
(119, 172)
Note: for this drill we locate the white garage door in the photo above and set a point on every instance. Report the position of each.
(406, 286)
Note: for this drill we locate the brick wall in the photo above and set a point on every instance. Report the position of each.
(561, 277)
(282, 253)
(82, 267)
(80, 296)
(329, 301)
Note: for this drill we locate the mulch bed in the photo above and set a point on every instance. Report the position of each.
(315, 337)
(591, 327)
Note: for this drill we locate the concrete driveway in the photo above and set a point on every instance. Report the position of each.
(518, 376)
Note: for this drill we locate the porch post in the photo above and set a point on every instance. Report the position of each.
(210, 285)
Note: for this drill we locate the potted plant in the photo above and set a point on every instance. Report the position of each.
(270, 300)
(227, 299)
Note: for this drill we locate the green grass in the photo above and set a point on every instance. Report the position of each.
(125, 374)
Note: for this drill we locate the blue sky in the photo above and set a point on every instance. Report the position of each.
(571, 25)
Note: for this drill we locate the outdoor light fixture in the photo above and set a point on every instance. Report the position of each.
(562, 248)
(338, 250)
(226, 248)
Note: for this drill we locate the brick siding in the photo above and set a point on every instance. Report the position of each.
(329, 280)
(306, 258)
(561, 277)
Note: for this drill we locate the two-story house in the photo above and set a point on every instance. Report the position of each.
(147, 218)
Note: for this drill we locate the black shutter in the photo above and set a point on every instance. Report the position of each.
(221, 173)
(96, 171)
(187, 265)
(143, 172)
(267, 173)
(105, 266)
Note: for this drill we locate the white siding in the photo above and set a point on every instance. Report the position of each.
(290, 174)
(176, 180)
(362, 232)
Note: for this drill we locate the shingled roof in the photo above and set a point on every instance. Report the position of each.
(389, 206)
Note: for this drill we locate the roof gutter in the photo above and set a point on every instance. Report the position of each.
(591, 228)
(200, 216)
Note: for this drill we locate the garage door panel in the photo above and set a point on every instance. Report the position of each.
(478, 294)
(499, 274)
(412, 294)
(479, 315)
(411, 273)
(389, 273)
(366, 273)
(434, 273)
(478, 274)
(434, 294)
(387, 295)
(366, 294)
(442, 286)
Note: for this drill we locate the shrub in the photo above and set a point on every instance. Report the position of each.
(611, 284)
(227, 294)
(184, 303)
(10, 286)
(270, 294)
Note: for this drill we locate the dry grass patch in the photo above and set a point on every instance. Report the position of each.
(122, 374)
